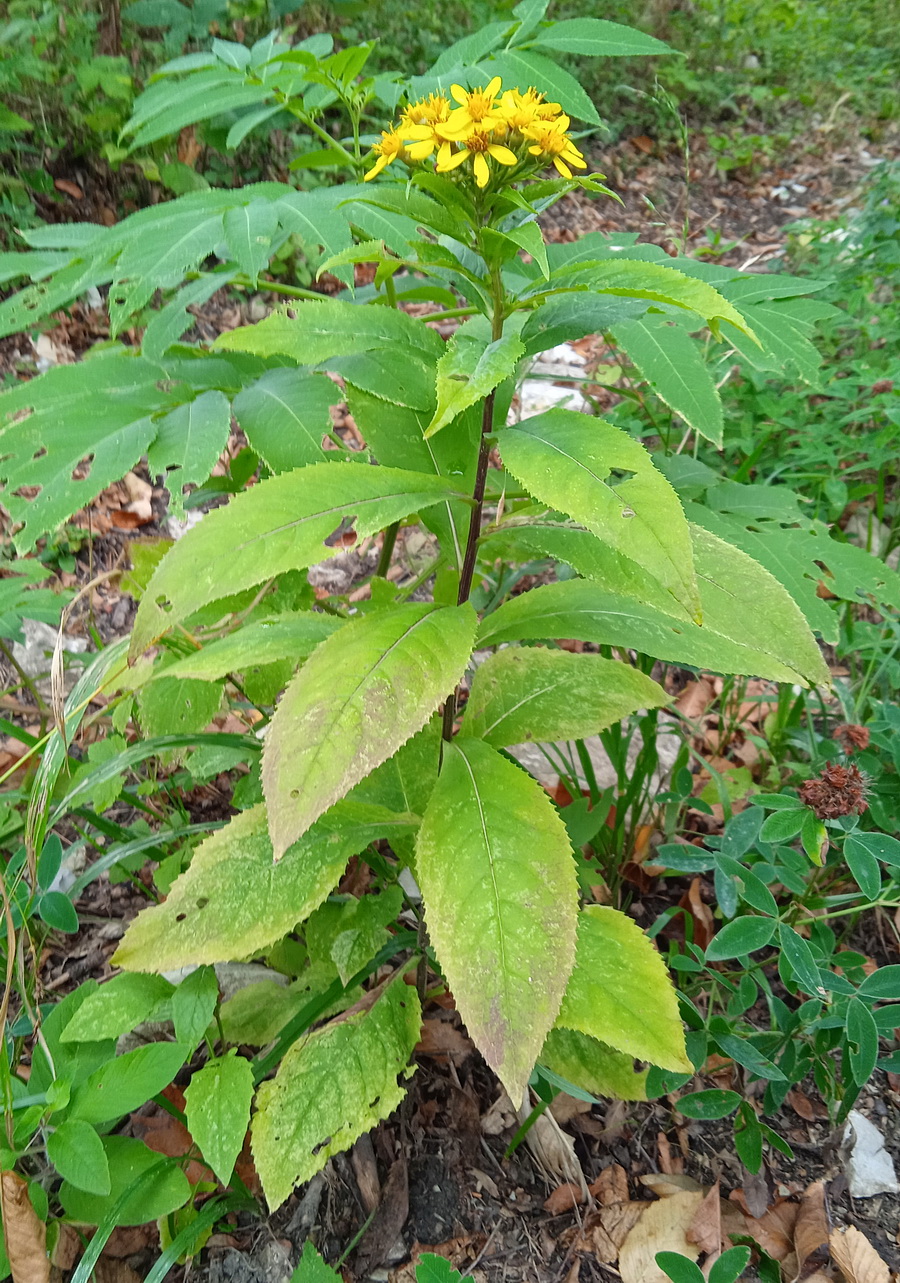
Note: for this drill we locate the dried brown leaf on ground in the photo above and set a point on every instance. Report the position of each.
(664, 1185)
(25, 1234)
(441, 1039)
(811, 1229)
(692, 903)
(662, 1228)
(552, 1149)
(856, 1257)
(500, 1117)
(774, 1230)
(611, 1186)
(605, 1231)
(389, 1220)
(563, 1199)
(706, 1228)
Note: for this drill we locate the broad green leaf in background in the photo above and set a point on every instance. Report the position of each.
(401, 375)
(285, 415)
(468, 371)
(741, 937)
(564, 317)
(592, 1065)
(217, 1107)
(314, 332)
(249, 232)
(330, 1088)
(279, 525)
(620, 991)
(117, 1007)
(498, 879)
(188, 443)
(193, 1004)
(636, 278)
(166, 107)
(232, 900)
(671, 362)
(606, 480)
(527, 693)
(77, 1153)
(127, 1082)
(361, 694)
(128, 1160)
(750, 623)
(596, 38)
(292, 636)
(167, 326)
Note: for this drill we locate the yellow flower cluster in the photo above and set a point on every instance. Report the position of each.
(514, 128)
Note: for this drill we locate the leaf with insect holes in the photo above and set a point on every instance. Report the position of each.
(279, 525)
(285, 416)
(314, 332)
(359, 697)
(233, 900)
(620, 991)
(188, 443)
(607, 481)
(527, 693)
(495, 866)
(332, 1086)
(217, 1109)
(99, 408)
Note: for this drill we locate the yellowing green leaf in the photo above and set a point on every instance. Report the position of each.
(279, 525)
(620, 992)
(360, 695)
(592, 1065)
(606, 480)
(526, 693)
(217, 1106)
(751, 624)
(330, 1088)
(233, 901)
(498, 878)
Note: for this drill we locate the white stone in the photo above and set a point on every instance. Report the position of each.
(869, 1168)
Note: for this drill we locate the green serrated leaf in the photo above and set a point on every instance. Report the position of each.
(117, 1007)
(233, 901)
(606, 480)
(468, 371)
(527, 693)
(750, 624)
(670, 360)
(100, 407)
(292, 636)
(362, 694)
(593, 1065)
(285, 416)
(314, 332)
(217, 1108)
(597, 38)
(330, 1088)
(524, 67)
(249, 233)
(620, 992)
(279, 525)
(497, 875)
(188, 443)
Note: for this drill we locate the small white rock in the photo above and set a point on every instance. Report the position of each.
(869, 1168)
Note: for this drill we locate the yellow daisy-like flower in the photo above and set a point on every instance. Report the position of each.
(479, 146)
(387, 151)
(478, 111)
(520, 110)
(552, 142)
(427, 111)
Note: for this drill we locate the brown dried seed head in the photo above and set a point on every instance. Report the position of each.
(836, 791)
